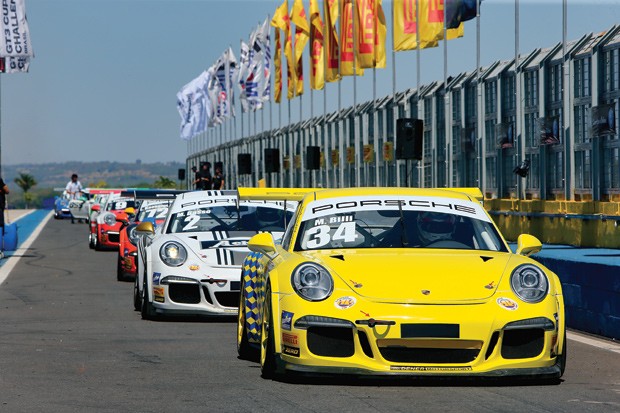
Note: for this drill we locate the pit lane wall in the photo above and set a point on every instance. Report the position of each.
(590, 276)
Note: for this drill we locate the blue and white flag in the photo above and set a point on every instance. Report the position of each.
(225, 70)
(244, 68)
(14, 32)
(266, 89)
(194, 106)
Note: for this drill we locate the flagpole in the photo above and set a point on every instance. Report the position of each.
(356, 142)
(519, 149)
(418, 81)
(393, 99)
(446, 99)
(479, 147)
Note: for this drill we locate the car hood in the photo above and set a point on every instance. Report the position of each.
(219, 248)
(417, 275)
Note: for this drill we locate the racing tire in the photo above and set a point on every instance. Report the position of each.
(119, 269)
(268, 364)
(137, 301)
(562, 358)
(244, 349)
(147, 309)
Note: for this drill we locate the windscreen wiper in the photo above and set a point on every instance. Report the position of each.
(403, 235)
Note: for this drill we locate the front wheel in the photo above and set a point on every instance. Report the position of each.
(137, 301)
(119, 269)
(147, 309)
(267, 349)
(562, 358)
(244, 349)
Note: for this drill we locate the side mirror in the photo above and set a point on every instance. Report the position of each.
(528, 245)
(145, 228)
(262, 243)
(96, 208)
(122, 217)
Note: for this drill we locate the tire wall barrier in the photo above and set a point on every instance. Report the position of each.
(582, 224)
(591, 295)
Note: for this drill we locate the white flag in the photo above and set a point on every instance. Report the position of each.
(14, 64)
(194, 106)
(244, 65)
(266, 88)
(15, 36)
(256, 72)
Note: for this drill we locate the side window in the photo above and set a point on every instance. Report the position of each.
(288, 234)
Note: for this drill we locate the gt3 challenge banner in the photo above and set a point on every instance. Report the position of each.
(15, 44)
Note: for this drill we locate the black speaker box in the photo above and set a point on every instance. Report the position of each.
(244, 163)
(409, 133)
(313, 157)
(272, 160)
(181, 174)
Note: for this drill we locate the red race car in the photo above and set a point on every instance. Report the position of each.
(153, 207)
(105, 229)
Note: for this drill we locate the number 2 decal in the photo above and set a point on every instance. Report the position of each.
(191, 220)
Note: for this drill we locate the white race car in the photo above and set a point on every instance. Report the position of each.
(191, 263)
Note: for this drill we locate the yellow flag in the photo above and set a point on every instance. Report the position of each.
(332, 47)
(371, 33)
(347, 52)
(281, 21)
(405, 25)
(431, 24)
(302, 35)
(317, 58)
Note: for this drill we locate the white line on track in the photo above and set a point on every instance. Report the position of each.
(12, 261)
(594, 342)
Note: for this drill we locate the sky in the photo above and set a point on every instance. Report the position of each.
(102, 85)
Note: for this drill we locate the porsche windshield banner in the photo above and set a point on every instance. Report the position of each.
(15, 34)
(454, 206)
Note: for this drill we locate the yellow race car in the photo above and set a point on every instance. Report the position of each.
(398, 281)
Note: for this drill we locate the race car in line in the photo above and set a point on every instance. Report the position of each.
(191, 263)
(81, 209)
(399, 281)
(105, 228)
(153, 207)
(61, 206)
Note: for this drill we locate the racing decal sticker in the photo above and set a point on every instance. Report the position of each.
(507, 303)
(158, 294)
(352, 204)
(290, 339)
(287, 319)
(290, 351)
(156, 277)
(429, 368)
(343, 303)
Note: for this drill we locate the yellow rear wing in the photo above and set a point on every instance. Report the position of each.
(472, 192)
(274, 194)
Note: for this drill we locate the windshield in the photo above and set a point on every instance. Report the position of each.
(154, 211)
(388, 226)
(120, 205)
(229, 218)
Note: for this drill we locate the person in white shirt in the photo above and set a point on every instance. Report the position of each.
(74, 189)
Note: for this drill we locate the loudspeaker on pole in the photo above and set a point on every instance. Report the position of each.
(272, 160)
(313, 158)
(409, 138)
(244, 163)
(181, 174)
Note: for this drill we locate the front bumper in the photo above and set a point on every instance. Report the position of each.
(215, 294)
(369, 338)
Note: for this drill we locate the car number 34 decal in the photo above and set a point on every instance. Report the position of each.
(321, 235)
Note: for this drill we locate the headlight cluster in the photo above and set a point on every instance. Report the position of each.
(109, 219)
(529, 283)
(173, 254)
(131, 234)
(312, 282)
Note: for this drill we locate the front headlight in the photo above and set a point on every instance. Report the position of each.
(131, 235)
(173, 254)
(109, 219)
(529, 283)
(312, 282)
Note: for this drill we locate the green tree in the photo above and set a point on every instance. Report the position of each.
(26, 182)
(164, 182)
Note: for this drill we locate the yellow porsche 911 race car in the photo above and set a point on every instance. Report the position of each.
(398, 281)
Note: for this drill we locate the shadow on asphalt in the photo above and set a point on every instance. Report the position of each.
(325, 380)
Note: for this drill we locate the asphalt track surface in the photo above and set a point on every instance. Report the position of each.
(71, 342)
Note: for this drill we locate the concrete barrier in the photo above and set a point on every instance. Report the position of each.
(591, 286)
